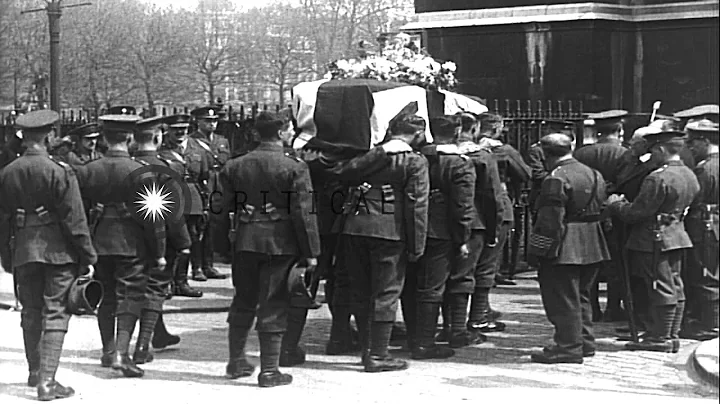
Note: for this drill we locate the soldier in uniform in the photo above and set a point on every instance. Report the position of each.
(124, 241)
(86, 147)
(217, 151)
(569, 244)
(657, 237)
(174, 149)
(604, 153)
(148, 137)
(44, 239)
(490, 199)
(514, 173)
(271, 194)
(450, 215)
(384, 224)
(701, 271)
(197, 166)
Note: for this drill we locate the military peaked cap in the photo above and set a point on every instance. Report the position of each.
(149, 124)
(121, 110)
(607, 121)
(37, 120)
(178, 121)
(123, 123)
(704, 129)
(89, 130)
(209, 112)
(700, 111)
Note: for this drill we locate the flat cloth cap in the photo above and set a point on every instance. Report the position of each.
(704, 129)
(178, 121)
(700, 111)
(666, 131)
(121, 110)
(122, 123)
(209, 112)
(444, 126)
(150, 124)
(89, 130)
(37, 120)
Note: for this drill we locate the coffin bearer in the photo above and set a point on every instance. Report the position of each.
(86, 147)
(569, 244)
(173, 150)
(148, 137)
(44, 238)
(384, 224)
(657, 236)
(270, 194)
(124, 241)
(217, 151)
(701, 273)
(450, 215)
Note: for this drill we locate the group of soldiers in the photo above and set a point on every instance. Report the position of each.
(407, 223)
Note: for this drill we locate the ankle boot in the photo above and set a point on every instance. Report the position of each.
(161, 337)
(142, 354)
(148, 321)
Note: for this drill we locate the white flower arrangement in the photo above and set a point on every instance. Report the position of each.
(398, 62)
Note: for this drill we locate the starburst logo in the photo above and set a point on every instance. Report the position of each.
(153, 202)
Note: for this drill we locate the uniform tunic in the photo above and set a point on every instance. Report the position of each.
(668, 191)
(271, 195)
(702, 263)
(177, 236)
(568, 240)
(385, 224)
(603, 157)
(123, 240)
(49, 247)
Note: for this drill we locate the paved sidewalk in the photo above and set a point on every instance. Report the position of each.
(497, 370)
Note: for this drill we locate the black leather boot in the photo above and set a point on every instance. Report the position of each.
(212, 273)
(143, 354)
(51, 349)
(106, 324)
(161, 337)
(122, 362)
(183, 289)
(48, 389)
(291, 354)
(128, 368)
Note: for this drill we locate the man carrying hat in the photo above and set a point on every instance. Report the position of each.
(217, 151)
(43, 223)
(701, 272)
(568, 243)
(175, 149)
(87, 141)
(657, 236)
(125, 240)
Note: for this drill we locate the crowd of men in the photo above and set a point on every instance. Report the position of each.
(407, 223)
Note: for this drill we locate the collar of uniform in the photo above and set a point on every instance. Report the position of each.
(117, 153)
(565, 162)
(269, 146)
(675, 163)
(145, 153)
(35, 152)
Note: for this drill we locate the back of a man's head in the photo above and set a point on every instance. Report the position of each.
(556, 145)
(489, 123)
(407, 125)
(444, 128)
(267, 125)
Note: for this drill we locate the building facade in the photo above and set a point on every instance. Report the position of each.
(609, 54)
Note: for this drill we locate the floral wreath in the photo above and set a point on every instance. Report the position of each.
(399, 61)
